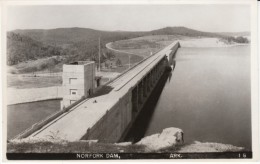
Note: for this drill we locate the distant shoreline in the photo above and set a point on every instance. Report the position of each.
(208, 43)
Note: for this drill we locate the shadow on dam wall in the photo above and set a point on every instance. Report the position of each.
(141, 124)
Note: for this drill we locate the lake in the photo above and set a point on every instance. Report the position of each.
(23, 116)
(207, 95)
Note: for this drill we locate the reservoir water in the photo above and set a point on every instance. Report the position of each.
(207, 95)
(22, 116)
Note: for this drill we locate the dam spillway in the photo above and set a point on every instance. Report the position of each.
(108, 117)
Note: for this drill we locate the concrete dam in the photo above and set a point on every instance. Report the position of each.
(108, 117)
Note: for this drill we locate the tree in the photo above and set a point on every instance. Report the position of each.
(109, 55)
(119, 63)
(241, 39)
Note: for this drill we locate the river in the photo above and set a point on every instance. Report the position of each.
(207, 95)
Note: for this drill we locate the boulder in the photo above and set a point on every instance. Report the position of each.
(168, 138)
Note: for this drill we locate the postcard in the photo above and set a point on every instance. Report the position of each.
(110, 80)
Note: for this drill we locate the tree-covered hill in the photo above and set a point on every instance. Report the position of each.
(65, 36)
(23, 48)
(184, 31)
(74, 43)
(79, 43)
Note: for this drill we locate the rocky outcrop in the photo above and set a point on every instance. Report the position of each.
(168, 138)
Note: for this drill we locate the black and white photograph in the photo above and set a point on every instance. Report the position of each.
(124, 81)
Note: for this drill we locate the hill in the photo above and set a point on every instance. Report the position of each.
(23, 48)
(184, 31)
(79, 43)
(66, 36)
(75, 43)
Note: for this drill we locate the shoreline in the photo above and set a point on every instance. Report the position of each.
(208, 43)
(34, 101)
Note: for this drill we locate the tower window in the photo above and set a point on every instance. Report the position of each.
(73, 91)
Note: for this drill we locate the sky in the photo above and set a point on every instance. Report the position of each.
(210, 18)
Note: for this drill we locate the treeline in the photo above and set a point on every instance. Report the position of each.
(238, 39)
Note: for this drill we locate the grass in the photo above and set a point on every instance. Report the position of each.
(124, 57)
(72, 147)
(140, 48)
(96, 147)
(134, 44)
(81, 147)
(143, 46)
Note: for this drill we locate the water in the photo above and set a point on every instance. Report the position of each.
(22, 116)
(207, 95)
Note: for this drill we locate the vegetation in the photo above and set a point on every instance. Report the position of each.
(22, 48)
(82, 146)
(135, 44)
(71, 147)
(74, 44)
(185, 32)
(239, 39)
(48, 64)
(119, 63)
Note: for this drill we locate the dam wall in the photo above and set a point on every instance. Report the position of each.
(108, 117)
(112, 125)
(115, 124)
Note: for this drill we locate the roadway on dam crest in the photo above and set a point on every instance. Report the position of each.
(73, 125)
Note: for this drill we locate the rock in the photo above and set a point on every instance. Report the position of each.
(123, 143)
(168, 138)
(209, 147)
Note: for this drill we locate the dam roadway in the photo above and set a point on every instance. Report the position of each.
(108, 117)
